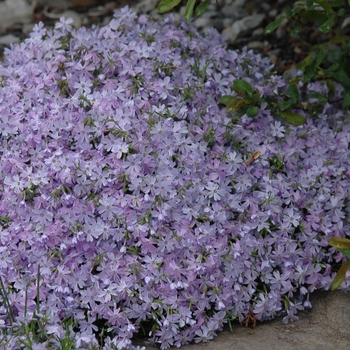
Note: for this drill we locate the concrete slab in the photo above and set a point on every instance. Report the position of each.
(325, 327)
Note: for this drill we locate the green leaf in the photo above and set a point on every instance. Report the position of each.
(347, 99)
(317, 95)
(339, 242)
(345, 252)
(321, 55)
(226, 99)
(189, 10)
(305, 15)
(310, 73)
(272, 26)
(334, 67)
(252, 111)
(241, 86)
(342, 77)
(325, 5)
(326, 26)
(288, 10)
(293, 92)
(340, 276)
(331, 89)
(201, 8)
(339, 39)
(295, 31)
(236, 104)
(309, 3)
(285, 105)
(341, 12)
(167, 5)
(306, 61)
(293, 118)
(337, 3)
(316, 16)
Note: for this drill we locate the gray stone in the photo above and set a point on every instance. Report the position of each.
(212, 6)
(240, 3)
(209, 14)
(255, 45)
(12, 11)
(74, 16)
(234, 12)
(9, 39)
(281, 32)
(258, 32)
(346, 22)
(146, 6)
(246, 23)
(218, 24)
(62, 4)
(273, 55)
(227, 22)
(202, 22)
(229, 35)
(252, 21)
(265, 6)
(273, 13)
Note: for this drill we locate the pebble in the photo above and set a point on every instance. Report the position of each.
(234, 12)
(9, 39)
(77, 20)
(12, 11)
(242, 22)
(346, 22)
(203, 22)
(234, 19)
(254, 45)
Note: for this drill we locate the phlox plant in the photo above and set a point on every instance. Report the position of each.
(327, 59)
(132, 202)
(343, 245)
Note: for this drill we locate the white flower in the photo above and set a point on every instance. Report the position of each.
(277, 130)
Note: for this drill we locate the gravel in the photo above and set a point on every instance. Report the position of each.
(242, 22)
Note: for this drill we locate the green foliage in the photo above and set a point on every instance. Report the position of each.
(292, 118)
(189, 10)
(167, 5)
(328, 60)
(343, 245)
(191, 6)
(248, 101)
(33, 329)
(201, 8)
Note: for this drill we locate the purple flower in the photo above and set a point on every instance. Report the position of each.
(124, 180)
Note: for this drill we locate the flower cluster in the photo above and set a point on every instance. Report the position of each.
(128, 200)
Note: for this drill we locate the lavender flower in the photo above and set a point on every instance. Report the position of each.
(124, 181)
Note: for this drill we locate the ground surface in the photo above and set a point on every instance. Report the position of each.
(325, 327)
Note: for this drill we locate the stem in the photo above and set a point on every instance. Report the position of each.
(26, 301)
(6, 301)
(38, 291)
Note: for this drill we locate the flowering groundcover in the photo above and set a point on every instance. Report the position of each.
(126, 200)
